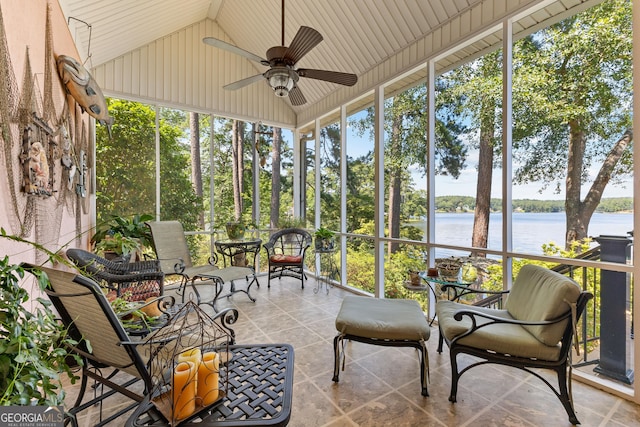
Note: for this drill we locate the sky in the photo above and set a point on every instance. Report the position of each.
(465, 185)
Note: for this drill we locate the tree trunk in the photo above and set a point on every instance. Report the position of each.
(579, 213)
(237, 167)
(395, 183)
(480, 236)
(196, 166)
(275, 178)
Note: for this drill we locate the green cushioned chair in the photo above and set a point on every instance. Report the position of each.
(534, 329)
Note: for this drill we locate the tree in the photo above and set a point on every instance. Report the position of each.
(473, 93)
(196, 165)
(405, 145)
(125, 166)
(238, 167)
(572, 107)
(274, 211)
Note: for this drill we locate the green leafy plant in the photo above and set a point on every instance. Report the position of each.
(324, 233)
(33, 343)
(131, 314)
(119, 244)
(132, 227)
(324, 239)
(292, 222)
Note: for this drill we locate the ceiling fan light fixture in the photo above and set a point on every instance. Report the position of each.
(281, 82)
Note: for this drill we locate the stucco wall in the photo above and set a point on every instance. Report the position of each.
(52, 213)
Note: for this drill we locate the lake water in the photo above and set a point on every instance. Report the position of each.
(530, 230)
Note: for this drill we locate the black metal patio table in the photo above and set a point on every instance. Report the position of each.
(260, 392)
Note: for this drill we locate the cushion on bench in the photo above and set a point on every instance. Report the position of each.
(391, 319)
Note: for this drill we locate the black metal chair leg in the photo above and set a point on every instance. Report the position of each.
(423, 369)
(563, 394)
(455, 376)
(336, 354)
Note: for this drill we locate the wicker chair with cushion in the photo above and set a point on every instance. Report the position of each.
(534, 330)
(285, 251)
(138, 280)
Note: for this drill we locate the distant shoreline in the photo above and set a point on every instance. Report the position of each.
(466, 204)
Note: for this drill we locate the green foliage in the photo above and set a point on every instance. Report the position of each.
(120, 228)
(117, 243)
(361, 270)
(323, 233)
(126, 166)
(32, 342)
(292, 222)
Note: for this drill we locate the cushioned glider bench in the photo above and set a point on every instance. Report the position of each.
(387, 322)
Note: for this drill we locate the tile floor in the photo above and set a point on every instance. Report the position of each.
(381, 386)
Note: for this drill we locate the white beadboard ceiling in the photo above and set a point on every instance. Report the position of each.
(364, 37)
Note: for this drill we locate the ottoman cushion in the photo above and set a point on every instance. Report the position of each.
(390, 319)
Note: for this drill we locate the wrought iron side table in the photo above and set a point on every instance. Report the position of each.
(260, 392)
(328, 269)
(240, 252)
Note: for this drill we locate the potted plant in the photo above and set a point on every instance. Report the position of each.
(235, 230)
(324, 239)
(33, 344)
(118, 246)
(123, 232)
(291, 222)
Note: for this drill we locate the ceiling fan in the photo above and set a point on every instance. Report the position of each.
(281, 76)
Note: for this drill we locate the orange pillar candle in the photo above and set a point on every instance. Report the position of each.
(183, 390)
(208, 375)
(193, 355)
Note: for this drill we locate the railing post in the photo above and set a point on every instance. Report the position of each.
(613, 309)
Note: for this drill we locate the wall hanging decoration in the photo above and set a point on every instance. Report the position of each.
(84, 89)
(42, 134)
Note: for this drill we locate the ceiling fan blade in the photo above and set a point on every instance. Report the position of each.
(306, 39)
(233, 49)
(296, 97)
(346, 79)
(244, 82)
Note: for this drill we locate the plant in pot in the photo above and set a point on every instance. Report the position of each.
(33, 344)
(235, 229)
(118, 247)
(324, 239)
(125, 231)
(292, 222)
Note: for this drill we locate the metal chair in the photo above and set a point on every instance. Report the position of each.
(173, 254)
(107, 350)
(140, 280)
(103, 341)
(534, 330)
(285, 251)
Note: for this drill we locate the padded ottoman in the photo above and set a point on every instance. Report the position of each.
(387, 322)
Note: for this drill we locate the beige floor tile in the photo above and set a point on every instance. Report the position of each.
(380, 386)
